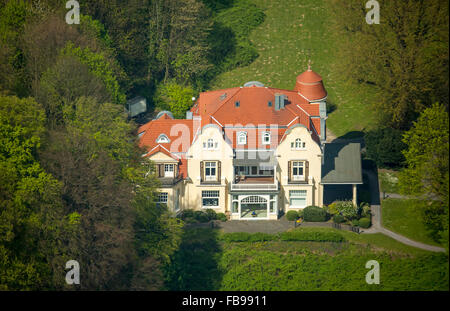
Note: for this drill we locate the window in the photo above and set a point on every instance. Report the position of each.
(210, 171)
(176, 206)
(298, 144)
(235, 204)
(266, 138)
(162, 197)
(297, 198)
(141, 133)
(242, 138)
(237, 104)
(162, 139)
(168, 170)
(273, 204)
(298, 170)
(210, 144)
(210, 198)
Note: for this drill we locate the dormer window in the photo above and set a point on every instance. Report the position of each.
(242, 138)
(140, 134)
(298, 144)
(163, 139)
(266, 138)
(210, 144)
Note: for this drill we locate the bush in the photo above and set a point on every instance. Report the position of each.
(319, 236)
(190, 220)
(314, 214)
(291, 215)
(212, 215)
(221, 216)
(364, 222)
(248, 237)
(201, 216)
(338, 219)
(346, 209)
(187, 213)
(300, 213)
(355, 222)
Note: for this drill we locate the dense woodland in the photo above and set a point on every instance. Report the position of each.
(72, 184)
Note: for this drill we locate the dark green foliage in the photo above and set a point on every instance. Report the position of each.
(338, 219)
(292, 215)
(212, 215)
(247, 237)
(385, 146)
(433, 215)
(186, 213)
(355, 222)
(364, 222)
(221, 216)
(319, 236)
(194, 266)
(314, 214)
(201, 216)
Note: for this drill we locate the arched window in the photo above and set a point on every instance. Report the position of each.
(266, 138)
(242, 138)
(162, 139)
(298, 144)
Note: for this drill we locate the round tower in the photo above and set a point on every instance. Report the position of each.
(310, 85)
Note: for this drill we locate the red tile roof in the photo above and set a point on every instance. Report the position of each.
(219, 107)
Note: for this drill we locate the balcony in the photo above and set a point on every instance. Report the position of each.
(254, 183)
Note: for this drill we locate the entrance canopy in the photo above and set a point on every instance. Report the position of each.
(342, 164)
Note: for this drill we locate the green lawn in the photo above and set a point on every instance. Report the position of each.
(206, 262)
(403, 216)
(388, 181)
(294, 32)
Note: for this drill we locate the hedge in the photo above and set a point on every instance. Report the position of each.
(338, 219)
(247, 237)
(318, 236)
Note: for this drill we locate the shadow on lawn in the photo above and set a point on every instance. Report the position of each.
(194, 266)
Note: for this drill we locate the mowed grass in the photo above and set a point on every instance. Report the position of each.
(294, 32)
(403, 216)
(388, 181)
(206, 261)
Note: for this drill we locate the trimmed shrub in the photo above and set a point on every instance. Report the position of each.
(201, 216)
(291, 215)
(319, 236)
(364, 222)
(355, 222)
(247, 237)
(212, 215)
(221, 216)
(314, 214)
(338, 219)
(190, 220)
(235, 237)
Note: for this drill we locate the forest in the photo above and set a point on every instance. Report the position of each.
(72, 184)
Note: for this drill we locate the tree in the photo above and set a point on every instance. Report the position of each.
(63, 83)
(96, 158)
(174, 97)
(404, 58)
(427, 158)
(385, 147)
(31, 217)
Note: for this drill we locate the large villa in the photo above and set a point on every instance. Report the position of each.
(252, 152)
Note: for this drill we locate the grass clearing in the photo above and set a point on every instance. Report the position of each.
(291, 34)
(205, 261)
(403, 217)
